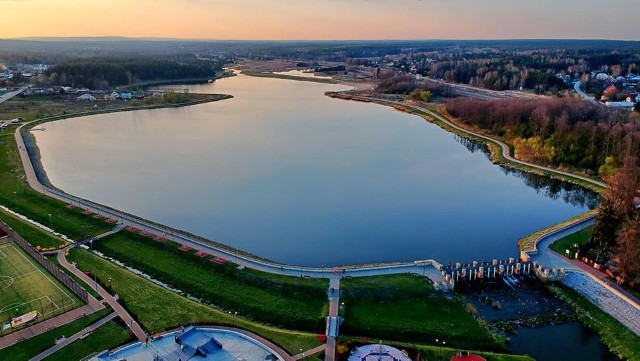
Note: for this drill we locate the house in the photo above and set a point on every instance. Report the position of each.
(602, 76)
(126, 96)
(633, 98)
(86, 98)
(115, 95)
(623, 105)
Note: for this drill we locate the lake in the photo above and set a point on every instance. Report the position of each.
(288, 174)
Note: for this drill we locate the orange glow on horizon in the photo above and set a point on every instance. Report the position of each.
(318, 19)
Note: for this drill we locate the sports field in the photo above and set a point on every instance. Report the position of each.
(26, 286)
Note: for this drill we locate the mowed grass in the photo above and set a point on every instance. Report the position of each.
(158, 309)
(26, 286)
(407, 308)
(33, 234)
(289, 302)
(31, 347)
(568, 242)
(110, 335)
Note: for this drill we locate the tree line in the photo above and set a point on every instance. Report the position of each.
(106, 72)
(561, 132)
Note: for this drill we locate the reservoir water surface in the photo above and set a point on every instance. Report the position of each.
(288, 174)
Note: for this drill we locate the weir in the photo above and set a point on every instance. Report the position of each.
(475, 271)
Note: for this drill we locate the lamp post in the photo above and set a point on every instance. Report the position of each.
(50, 222)
(15, 199)
(302, 351)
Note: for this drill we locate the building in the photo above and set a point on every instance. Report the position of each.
(125, 96)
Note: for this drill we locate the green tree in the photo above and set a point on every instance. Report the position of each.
(608, 168)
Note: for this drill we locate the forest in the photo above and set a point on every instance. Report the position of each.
(105, 72)
(563, 132)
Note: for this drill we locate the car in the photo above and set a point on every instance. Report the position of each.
(16, 120)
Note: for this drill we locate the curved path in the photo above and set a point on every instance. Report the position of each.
(584, 95)
(106, 296)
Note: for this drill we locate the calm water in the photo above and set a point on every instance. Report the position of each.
(566, 342)
(288, 174)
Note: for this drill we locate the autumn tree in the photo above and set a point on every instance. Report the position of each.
(627, 249)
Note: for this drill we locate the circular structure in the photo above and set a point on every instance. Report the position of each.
(465, 356)
(378, 352)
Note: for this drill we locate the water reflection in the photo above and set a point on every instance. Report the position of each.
(549, 187)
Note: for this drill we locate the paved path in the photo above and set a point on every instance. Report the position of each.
(124, 315)
(6, 96)
(309, 352)
(334, 310)
(584, 96)
(75, 337)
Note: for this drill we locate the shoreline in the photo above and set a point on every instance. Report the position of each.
(33, 153)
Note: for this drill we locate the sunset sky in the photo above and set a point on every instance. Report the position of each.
(323, 19)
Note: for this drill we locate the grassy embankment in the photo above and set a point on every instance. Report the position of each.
(16, 194)
(157, 309)
(615, 335)
(290, 302)
(580, 238)
(27, 349)
(407, 308)
(287, 77)
(529, 242)
(108, 336)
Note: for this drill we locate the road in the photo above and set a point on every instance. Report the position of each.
(6, 96)
(584, 95)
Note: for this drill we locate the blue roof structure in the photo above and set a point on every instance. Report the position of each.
(194, 342)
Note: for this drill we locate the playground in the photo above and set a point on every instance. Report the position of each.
(28, 293)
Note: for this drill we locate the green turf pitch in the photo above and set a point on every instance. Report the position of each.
(26, 286)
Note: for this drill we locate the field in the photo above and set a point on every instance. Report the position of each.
(158, 309)
(30, 347)
(26, 287)
(407, 308)
(289, 302)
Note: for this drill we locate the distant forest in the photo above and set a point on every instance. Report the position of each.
(105, 72)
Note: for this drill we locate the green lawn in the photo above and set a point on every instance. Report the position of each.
(407, 308)
(26, 286)
(580, 238)
(34, 235)
(289, 302)
(29, 348)
(615, 335)
(108, 336)
(158, 309)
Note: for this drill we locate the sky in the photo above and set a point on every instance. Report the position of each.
(323, 19)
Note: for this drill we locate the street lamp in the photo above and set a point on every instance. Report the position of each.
(15, 199)
(302, 351)
(50, 223)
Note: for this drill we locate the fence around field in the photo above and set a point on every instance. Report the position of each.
(64, 278)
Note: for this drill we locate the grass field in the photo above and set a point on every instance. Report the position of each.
(158, 309)
(567, 243)
(110, 335)
(407, 308)
(290, 302)
(26, 286)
